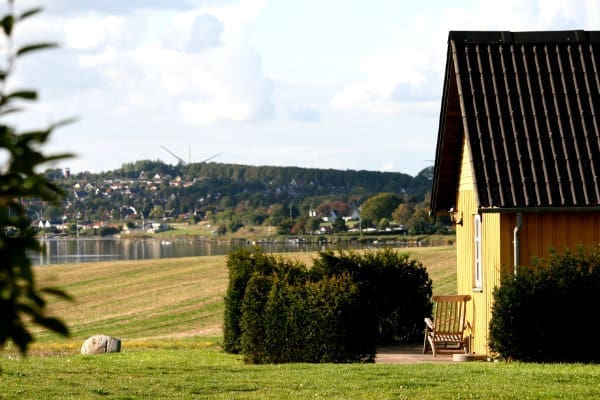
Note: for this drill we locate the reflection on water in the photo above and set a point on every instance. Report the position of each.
(62, 251)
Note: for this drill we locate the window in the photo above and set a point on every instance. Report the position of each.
(478, 261)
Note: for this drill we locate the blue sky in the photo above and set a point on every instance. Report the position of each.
(328, 84)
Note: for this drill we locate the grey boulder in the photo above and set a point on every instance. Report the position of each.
(100, 344)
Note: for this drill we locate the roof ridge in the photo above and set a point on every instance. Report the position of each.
(560, 36)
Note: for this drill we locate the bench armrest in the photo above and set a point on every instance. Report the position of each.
(429, 323)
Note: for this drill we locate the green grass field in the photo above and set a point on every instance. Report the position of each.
(199, 371)
(168, 314)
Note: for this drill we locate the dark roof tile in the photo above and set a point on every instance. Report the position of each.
(527, 103)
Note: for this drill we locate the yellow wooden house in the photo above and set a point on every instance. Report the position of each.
(518, 154)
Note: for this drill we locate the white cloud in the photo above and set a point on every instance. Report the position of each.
(387, 167)
(219, 108)
(404, 78)
(182, 62)
(107, 56)
(92, 31)
(399, 79)
(307, 114)
(205, 32)
(238, 18)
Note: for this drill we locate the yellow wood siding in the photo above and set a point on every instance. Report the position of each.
(466, 181)
(466, 205)
(544, 231)
(492, 262)
(539, 233)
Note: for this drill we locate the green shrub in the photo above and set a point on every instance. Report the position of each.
(109, 230)
(538, 314)
(394, 289)
(336, 323)
(314, 322)
(241, 263)
(281, 322)
(288, 323)
(252, 322)
(277, 310)
(287, 317)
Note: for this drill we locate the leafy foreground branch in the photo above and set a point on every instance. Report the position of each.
(20, 299)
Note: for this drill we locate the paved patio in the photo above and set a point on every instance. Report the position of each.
(411, 354)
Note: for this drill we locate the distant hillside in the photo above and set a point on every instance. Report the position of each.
(305, 180)
(250, 194)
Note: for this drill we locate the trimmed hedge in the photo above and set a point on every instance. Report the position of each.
(241, 263)
(302, 322)
(395, 288)
(548, 313)
(253, 318)
(280, 311)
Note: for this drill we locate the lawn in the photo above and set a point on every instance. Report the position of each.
(196, 369)
(168, 314)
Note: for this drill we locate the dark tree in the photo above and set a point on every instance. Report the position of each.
(339, 225)
(380, 206)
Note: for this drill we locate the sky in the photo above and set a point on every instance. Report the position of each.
(343, 84)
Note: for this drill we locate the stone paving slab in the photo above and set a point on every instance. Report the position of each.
(411, 354)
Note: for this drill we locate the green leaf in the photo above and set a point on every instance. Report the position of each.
(10, 110)
(53, 324)
(58, 293)
(21, 337)
(23, 94)
(26, 138)
(29, 13)
(38, 300)
(63, 122)
(35, 47)
(8, 22)
(56, 157)
(28, 309)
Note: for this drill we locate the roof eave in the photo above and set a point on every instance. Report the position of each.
(438, 185)
(538, 210)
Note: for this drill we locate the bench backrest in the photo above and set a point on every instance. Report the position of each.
(450, 314)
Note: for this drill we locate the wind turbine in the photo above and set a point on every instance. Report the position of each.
(211, 157)
(182, 161)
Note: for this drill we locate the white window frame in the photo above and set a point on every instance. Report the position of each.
(478, 237)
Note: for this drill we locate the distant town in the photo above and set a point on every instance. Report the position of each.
(147, 197)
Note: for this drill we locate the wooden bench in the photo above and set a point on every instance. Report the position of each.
(449, 324)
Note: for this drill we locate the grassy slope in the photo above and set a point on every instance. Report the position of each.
(141, 299)
(169, 298)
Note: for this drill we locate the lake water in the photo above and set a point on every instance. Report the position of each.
(62, 251)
